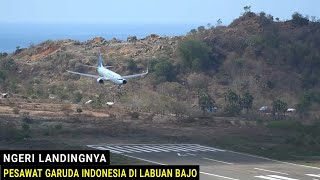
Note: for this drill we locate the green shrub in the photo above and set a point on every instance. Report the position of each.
(195, 55)
(58, 126)
(8, 64)
(232, 110)
(3, 75)
(204, 100)
(134, 115)
(132, 66)
(299, 20)
(288, 125)
(163, 69)
(77, 97)
(25, 127)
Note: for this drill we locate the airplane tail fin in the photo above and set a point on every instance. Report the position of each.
(100, 64)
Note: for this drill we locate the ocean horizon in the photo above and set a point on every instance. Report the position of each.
(23, 35)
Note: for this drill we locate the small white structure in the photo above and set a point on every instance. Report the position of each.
(291, 110)
(264, 108)
(110, 104)
(52, 96)
(88, 102)
(5, 95)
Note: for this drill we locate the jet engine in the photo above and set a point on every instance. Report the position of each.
(100, 80)
(124, 81)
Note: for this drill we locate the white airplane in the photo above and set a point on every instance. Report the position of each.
(108, 75)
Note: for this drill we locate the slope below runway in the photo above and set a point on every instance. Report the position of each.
(215, 163)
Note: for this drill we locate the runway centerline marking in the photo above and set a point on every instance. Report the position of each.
(217, 161)
(260, 169)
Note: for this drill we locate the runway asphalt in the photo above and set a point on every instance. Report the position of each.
(215, 163)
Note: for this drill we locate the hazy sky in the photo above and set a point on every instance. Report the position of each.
(147, 11)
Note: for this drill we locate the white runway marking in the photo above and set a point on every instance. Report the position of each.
(154, 148)
(281, 177)
(187, 154)
(270, 171)
(165, 164)
(218, 176)
(266, 177)
(275, 177)
(274, 160)
(217, 161)
(314, 175)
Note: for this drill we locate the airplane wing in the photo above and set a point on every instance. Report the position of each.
(135, 75)
(82, 74)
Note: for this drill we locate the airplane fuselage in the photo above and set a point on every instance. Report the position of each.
(112, 76)
(107, 75)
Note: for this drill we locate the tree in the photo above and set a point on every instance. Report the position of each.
(235, 103)
(3, 54)
(193, 32)
(8, 64)
(306, 101)
(132, 66)
(165, 70)
(3, 75)
(152, 63)
(219, 22)
(18, 50)
(201, 29)
(247, 101)
(262, 14)
(233, 106)
(231, 97)
(195, 55)
(279, 108)
(205, 101)
(299, 20)
(77, 96)
(247, 9)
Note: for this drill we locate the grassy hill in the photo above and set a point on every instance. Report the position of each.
(255, 61)
(255, 54)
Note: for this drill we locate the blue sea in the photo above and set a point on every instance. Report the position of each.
(24, 35)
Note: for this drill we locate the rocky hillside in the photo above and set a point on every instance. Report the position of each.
(266, 58)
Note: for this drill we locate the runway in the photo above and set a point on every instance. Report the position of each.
(215, 163)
